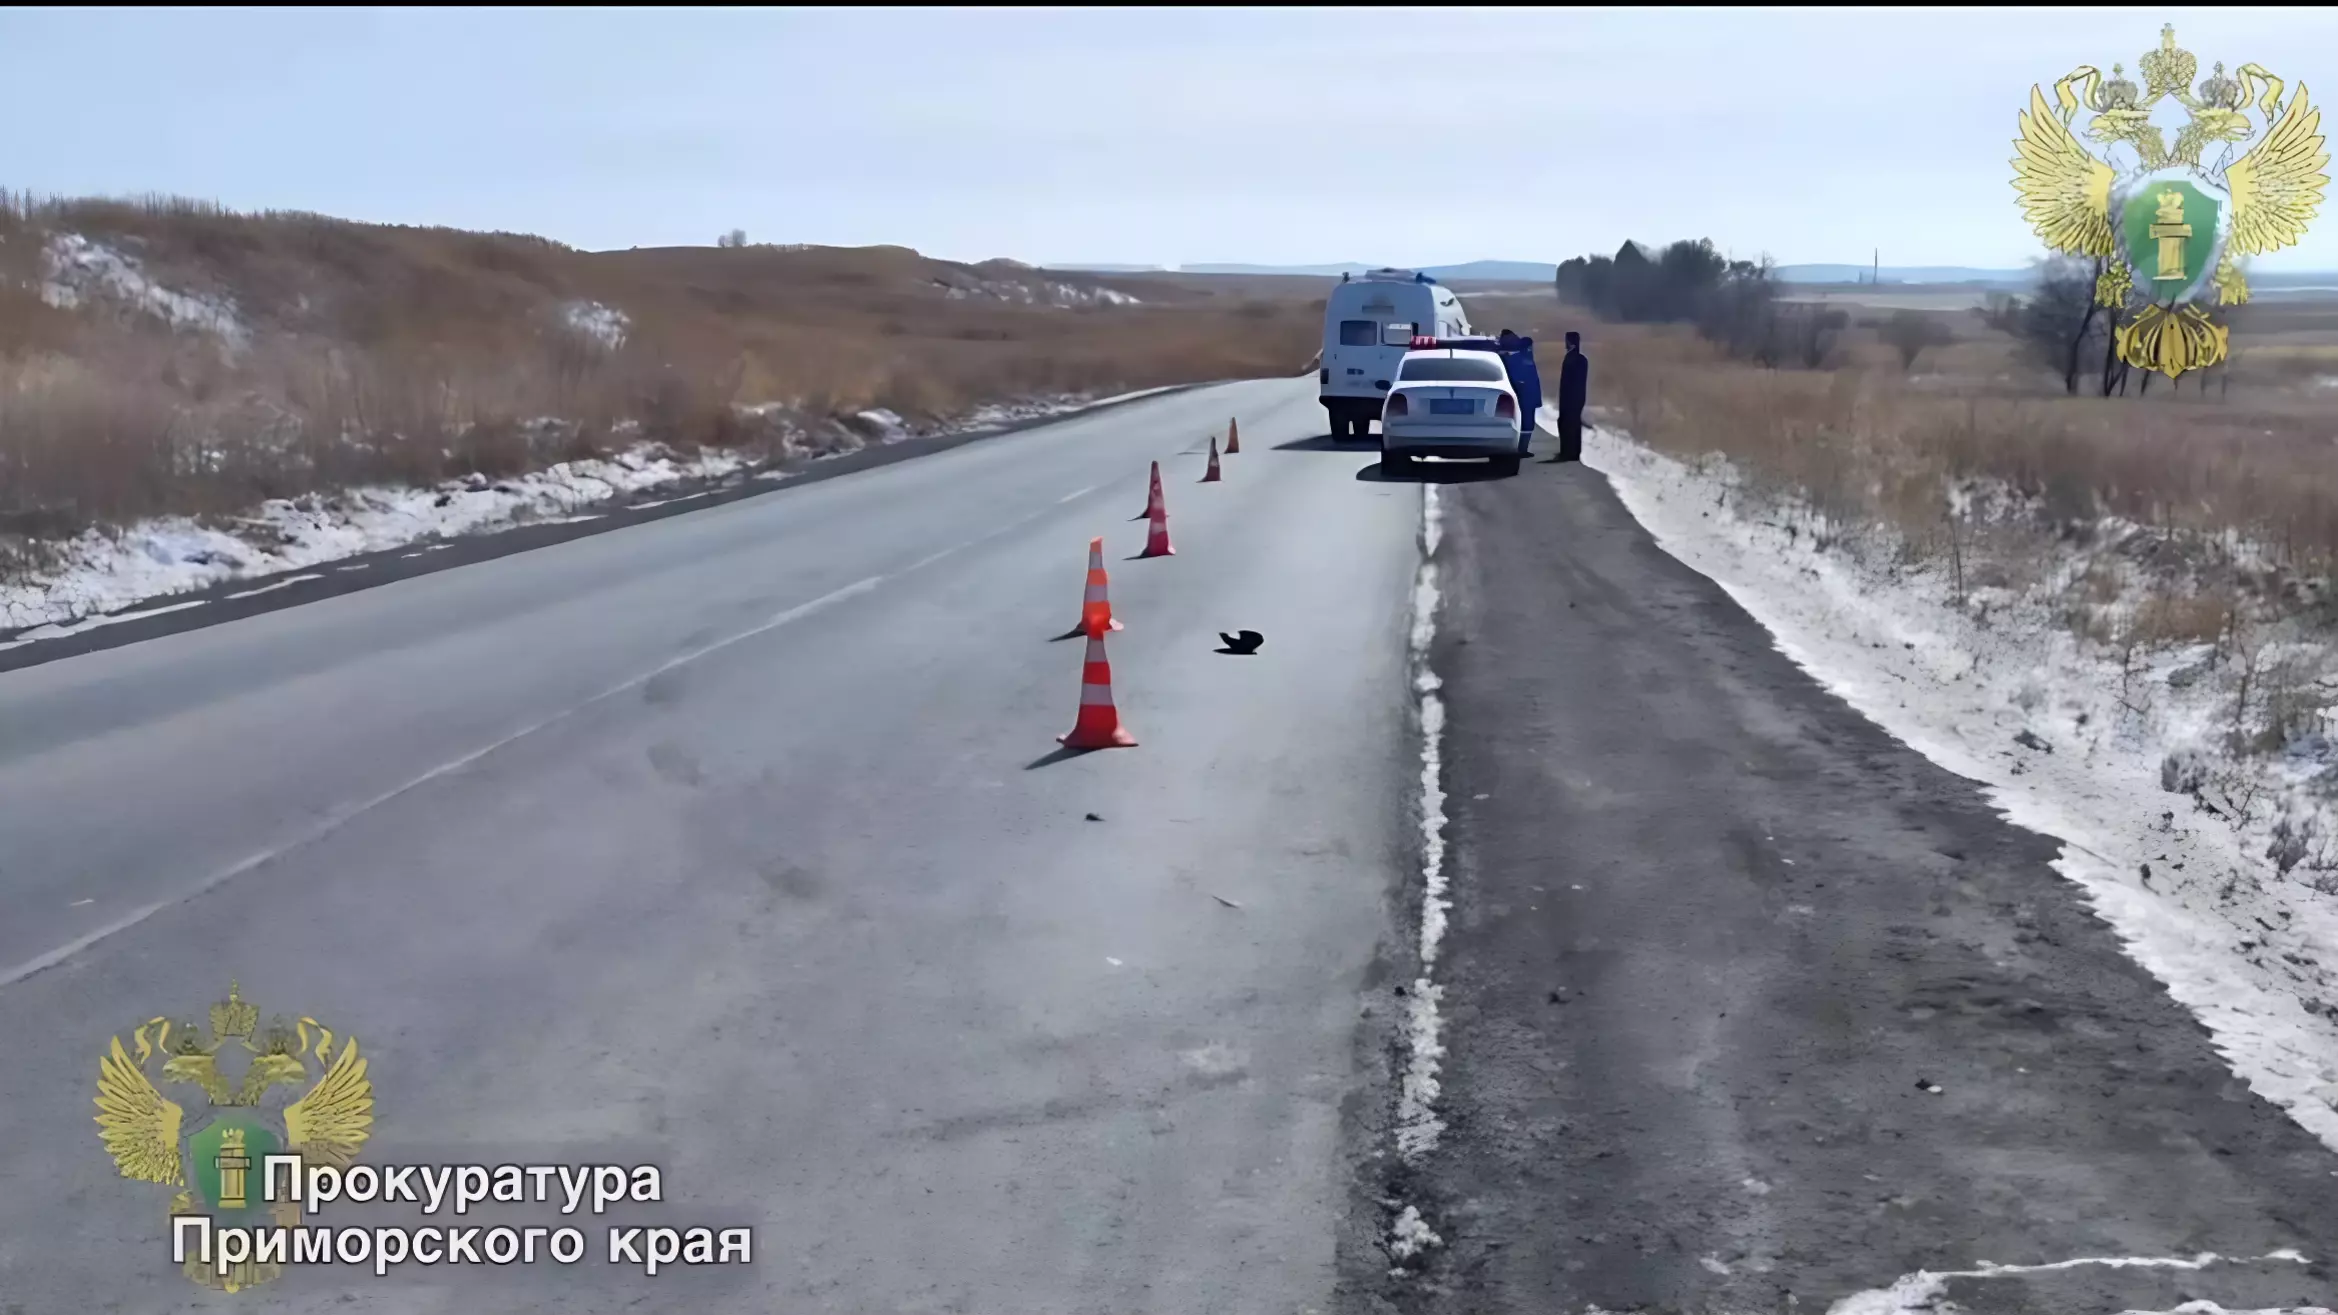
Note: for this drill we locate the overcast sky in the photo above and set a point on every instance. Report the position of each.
(1151, 136)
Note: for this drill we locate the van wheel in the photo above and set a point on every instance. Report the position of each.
(1395, 463)
(1505, 466)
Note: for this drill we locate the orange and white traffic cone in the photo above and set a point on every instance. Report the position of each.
(1157, 538)
(1233, 436)
(1211, 475)
(1153, 499)
(1096, 606)
(1098, 726)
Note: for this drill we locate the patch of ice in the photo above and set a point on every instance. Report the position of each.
(2192, 897)
(605, 325)
(77, 272)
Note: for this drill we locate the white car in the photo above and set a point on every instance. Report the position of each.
(1450, 402)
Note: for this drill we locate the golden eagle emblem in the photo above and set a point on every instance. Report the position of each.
(219, 1166)
(2174, 222)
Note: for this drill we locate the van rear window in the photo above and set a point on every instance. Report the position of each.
(1359, 333)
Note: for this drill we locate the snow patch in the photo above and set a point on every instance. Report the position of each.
(2001, 692)
(605, 325)
(884, 422)
(1411, 1235)
(1037, 294)
(102, 573)
(1418, 1125)
(77, 273)
(1925, 1292)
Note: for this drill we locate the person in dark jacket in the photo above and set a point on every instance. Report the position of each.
(1574, 387)
(1525, 380)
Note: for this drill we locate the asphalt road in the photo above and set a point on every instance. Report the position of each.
(734, 843)
(1752, 1009)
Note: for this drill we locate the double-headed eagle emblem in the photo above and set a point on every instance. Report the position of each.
(2172, 225)
(221, 1165)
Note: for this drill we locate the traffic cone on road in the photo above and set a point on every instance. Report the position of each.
(1233, 436)
(1153, 499)
(1211, 475)
(1098, 726)
(1095, 606)
(1157, 537)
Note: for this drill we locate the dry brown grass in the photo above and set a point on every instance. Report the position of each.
(2220, 481)
(394, 353)
(1867, 443)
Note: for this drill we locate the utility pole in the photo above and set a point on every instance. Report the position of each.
(1876, 277)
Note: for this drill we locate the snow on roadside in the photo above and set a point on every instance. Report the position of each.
(1419, 1126)
(102, 573)
(2021, 705)
(98, 574)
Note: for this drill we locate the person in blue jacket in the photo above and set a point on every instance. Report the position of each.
(1525, 380)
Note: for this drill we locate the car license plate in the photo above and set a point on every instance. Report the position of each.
(1452, 406)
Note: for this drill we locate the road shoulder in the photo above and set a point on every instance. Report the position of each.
(1748, 1004)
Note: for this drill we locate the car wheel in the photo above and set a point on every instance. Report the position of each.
(1505, 466)
(1396, 463)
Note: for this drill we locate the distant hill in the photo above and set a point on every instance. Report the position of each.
(1902, 274)
(1319, 271)
(1503, 270)
(1514, 271)
(2005, 278)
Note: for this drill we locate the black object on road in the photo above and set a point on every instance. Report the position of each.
(1242, 643)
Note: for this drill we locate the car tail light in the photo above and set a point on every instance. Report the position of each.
(1397, 405)
(1506, 407)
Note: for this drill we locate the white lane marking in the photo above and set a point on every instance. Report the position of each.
(280, 584)
(1924, 1290)
(335, 820)
(359, 567)
(932, 557)
(63, 630)
(79, 902)
(1081, 494)
(1418, 1126)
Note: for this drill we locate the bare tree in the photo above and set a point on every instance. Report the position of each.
(1910, 332)
(2056, 321)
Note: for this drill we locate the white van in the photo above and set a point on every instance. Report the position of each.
(1369, 323)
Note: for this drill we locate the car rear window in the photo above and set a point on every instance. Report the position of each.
(1359, 333)
(1450, 369)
